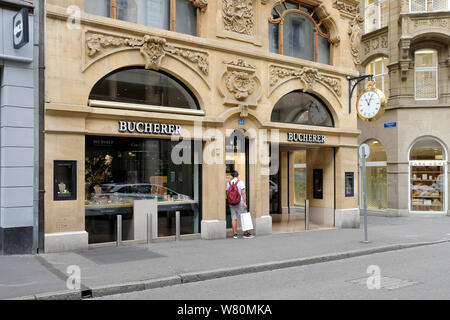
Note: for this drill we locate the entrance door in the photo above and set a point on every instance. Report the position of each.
(236, 159)
(300, 176)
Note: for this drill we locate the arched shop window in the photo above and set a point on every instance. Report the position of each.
(295, 30)
(301, 108)
(141, 86)
(378, 67)
(428, 176)
(376, 176)
(174, 15)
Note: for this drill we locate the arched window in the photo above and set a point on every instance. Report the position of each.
(301, 108)
(376, 176)
(174, 15)
(428, 176)
(376, 14)
(378, 67)
(142, 86)
(426, 74)
(295, 30)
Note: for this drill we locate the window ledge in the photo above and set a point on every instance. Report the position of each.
(143, 107)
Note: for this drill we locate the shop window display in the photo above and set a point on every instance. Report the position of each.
(122, 170)
(376, 176)
(427, 176)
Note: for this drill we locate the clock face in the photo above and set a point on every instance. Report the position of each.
(369, 105)
(317, 114)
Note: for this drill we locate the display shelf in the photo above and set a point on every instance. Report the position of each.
(419, 197)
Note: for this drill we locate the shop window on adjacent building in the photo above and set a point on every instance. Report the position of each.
(295, 30)
(141, 86)
(428, 176)
(429, 5)
(174, 15)
(376, 14)
(120, 171)
(376, 176)
(378, 67)
(426, 74)
(301, 108)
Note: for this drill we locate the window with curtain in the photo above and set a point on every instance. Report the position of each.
(174, 15)
(429, 5)
(376, 14)
(378, 67)
(426, 74)
(295, 30)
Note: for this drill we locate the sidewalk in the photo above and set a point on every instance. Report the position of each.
(100, 267)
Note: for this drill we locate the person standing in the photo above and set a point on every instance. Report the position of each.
(237, 201)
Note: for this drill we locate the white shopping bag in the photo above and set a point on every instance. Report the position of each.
(246, 221)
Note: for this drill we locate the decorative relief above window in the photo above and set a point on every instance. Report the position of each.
(238, 16)
(152, 48)
(346, 9)
(309, 77)
(239, 84)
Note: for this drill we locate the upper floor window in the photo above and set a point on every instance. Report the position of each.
(426, 74)
(429, 5)
(378, 67)
(295, 30)
(376, 14)
(174, 15)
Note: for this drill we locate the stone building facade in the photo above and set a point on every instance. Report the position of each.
(125, 78)
(406, 46)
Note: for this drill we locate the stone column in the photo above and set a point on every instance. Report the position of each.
(347, 214)
(213, 225)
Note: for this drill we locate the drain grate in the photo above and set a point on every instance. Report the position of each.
(387, 283)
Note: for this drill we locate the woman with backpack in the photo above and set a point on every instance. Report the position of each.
(238, 202)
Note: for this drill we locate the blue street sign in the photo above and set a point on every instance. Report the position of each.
(390, 124)
(241, 122)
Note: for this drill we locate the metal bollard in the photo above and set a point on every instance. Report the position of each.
(119, 230)
(149, 228)
(306, 214)
(177, 226)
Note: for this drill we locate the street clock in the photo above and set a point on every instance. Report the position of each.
(371, 103)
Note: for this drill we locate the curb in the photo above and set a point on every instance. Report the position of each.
(128, 287)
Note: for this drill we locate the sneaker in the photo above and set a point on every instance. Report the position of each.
(235, 236)
(248, 236)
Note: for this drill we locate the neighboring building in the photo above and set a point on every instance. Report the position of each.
(18, 125)
(406, 47)
(129, 75)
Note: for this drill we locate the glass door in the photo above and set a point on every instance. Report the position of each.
(236, 159)
(299, 178)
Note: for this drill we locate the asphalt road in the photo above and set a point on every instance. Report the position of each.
(418, 273)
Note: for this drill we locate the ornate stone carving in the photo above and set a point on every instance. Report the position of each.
(239, 84)
(201, 4)
(309, 76)
(379, 42)
(355, 33)
(152, 48)
(346, 8)
(238, 16)
(405, 60)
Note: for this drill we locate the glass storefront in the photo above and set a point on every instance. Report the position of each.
(376, 177)
(299, 178)
(236, 159)
(427, 176)
(122, 170)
